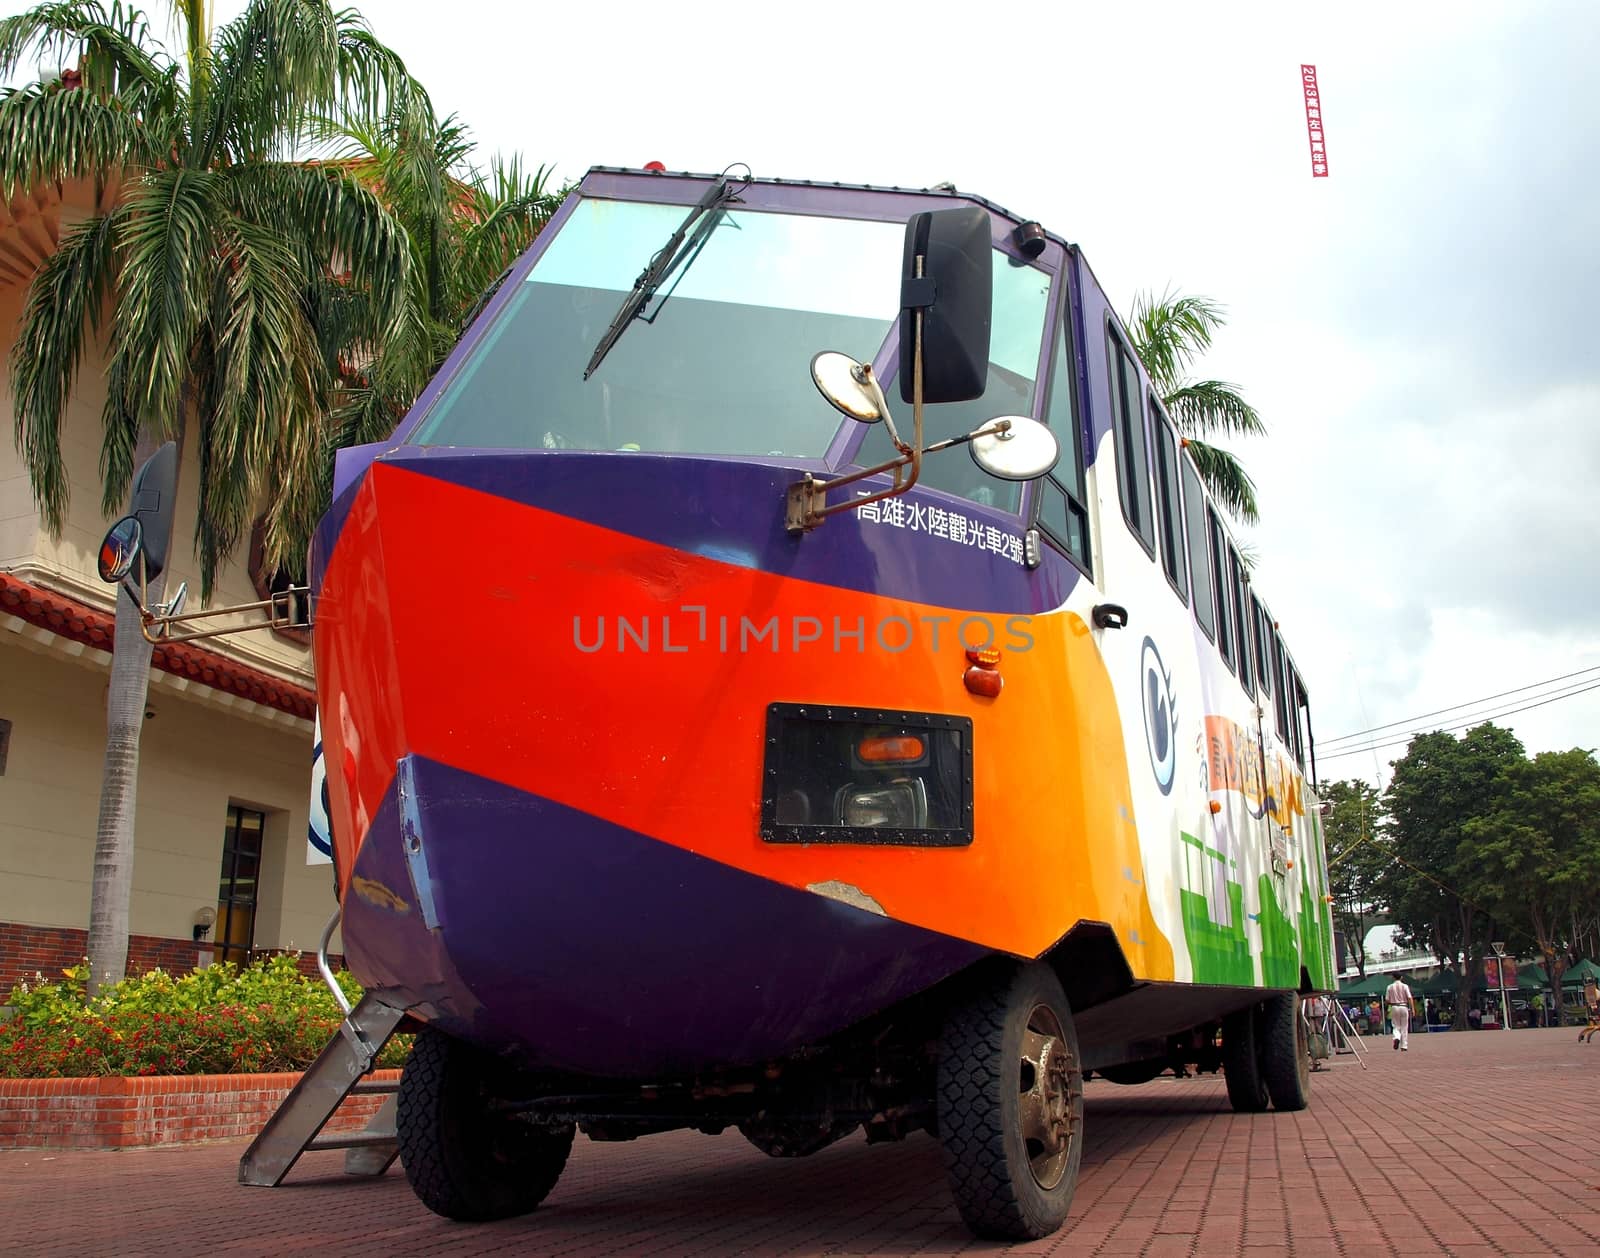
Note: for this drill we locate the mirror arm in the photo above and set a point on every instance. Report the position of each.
(276, 619)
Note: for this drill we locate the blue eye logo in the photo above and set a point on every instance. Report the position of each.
(320, 831)
(1160, 717)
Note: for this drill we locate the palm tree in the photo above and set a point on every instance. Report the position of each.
(466, 226)
(1169, 335)
(195, 280)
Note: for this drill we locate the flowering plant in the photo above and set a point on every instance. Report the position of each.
(220, 1020)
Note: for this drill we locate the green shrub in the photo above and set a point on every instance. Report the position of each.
(220, 1020)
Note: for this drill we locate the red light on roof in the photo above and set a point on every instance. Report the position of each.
(659, 167)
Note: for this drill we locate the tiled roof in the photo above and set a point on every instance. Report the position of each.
(93, 627)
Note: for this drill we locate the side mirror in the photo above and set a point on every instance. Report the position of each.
(152, 502)
(124, 540)
(947, 275)
(1025, 450)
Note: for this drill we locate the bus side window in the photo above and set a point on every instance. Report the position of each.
(1194, 523)
(1169, 511)
(1302, 707)
(1241, 618)
(1224, 586)
(1062, 517)
(1280, 693)
(1263, 624)
(1133, 459)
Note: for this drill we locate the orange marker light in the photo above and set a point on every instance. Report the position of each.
(1215, 807)
(984, 657)
(891, 749)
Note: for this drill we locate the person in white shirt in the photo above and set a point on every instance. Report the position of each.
(1397, 996)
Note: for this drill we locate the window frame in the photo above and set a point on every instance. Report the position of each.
(1194, 516)
(221, 944)
(1242, 632)
(1122, 434)
(1168, 505)
(1218, 542)
(1061, 371)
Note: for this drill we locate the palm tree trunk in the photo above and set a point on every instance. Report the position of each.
(111, 890)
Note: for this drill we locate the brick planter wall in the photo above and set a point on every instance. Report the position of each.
(123, 1113)
(29, 950)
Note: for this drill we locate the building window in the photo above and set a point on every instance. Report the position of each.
(241, 878)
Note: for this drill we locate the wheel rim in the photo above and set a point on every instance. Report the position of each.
(1050, 1088)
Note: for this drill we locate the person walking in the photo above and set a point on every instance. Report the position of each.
(1397, 996)
(1591, 1004)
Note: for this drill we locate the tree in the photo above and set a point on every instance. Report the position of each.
(1536, 852)
(194, 279)
(1169, 335)
(465, 226)
(1356, 859)
(1440, 785)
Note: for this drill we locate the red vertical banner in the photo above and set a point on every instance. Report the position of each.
(1319, 148)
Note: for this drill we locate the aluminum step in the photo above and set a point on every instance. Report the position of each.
(337, 1073)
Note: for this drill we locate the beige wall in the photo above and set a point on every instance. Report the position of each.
(194, 763)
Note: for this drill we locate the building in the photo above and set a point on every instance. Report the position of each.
(225, 763)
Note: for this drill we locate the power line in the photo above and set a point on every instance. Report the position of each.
(1410, 720)
(1400, 742)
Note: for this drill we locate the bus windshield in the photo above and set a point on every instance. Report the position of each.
(717, 361)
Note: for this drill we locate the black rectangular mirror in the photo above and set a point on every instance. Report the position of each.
(955, 293)
(152, 501)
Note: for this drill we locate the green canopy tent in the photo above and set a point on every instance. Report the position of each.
(1578, 974)
(1372, 985)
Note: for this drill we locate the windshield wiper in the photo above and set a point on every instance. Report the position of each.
(668, 258)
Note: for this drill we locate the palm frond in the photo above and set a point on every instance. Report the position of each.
(1205, 408)
(1169, 333)
(111, 47)
(49, 137)
(334, 216)
(62, 310)
(1227, 480)
(166, 242)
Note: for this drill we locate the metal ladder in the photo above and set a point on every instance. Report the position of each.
(338, 1072)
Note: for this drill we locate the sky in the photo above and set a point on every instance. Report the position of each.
(1413, 328)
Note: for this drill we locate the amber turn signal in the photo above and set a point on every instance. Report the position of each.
(891, 749)
(1215, 807)
(984, 657)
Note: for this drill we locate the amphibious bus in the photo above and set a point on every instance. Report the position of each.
(712, 742)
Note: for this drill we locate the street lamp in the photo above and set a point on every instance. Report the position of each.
(1500, 979)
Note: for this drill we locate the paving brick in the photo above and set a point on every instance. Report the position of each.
(1471, 1143)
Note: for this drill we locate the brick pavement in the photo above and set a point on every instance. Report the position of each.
(1492, 1148)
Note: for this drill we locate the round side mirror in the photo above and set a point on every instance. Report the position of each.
(848, 386)
(124, 540)
(1025, 451)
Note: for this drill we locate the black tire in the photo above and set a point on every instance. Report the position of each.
(1284, 1047)
(1010, 1105)
(793, 1137)
(1241, 1063)
(1132, 1072)
(462, 1159)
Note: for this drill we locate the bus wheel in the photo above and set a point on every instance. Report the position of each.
(1241, 1062)
(462, 1159)
(1010, 1105)
(1284, 1045)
